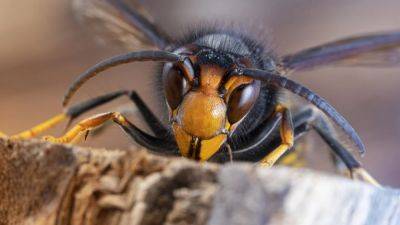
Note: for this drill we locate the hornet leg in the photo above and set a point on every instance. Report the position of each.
(287, 136)
(321, 126)
(155, 144)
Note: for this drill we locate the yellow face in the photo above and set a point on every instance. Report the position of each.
(205, 108)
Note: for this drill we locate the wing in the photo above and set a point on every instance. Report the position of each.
(368, 50)
(115, 21)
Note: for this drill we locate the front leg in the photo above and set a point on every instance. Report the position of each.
(69, 114)
(287, 137)
(77, 110)
(155, 144)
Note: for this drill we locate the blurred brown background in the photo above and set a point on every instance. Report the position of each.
(42, 49)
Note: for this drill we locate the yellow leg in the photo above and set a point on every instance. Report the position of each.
(41, 127)
(363, 175)
(287, 136)
(86, 125)
(69, 114)
(293, 160)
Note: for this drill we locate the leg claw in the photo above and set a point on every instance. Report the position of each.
(362, 175)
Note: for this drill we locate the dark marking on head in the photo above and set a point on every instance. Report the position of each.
(207, 56)
(231, 41)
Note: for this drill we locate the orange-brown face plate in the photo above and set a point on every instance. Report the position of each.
(210, 79)
(202, 113)
(207, 148)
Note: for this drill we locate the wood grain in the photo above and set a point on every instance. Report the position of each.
(41, 183)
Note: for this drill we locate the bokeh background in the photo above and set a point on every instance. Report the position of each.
(43, 48)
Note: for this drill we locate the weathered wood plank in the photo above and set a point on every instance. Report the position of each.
(41, 183)
(249, 195)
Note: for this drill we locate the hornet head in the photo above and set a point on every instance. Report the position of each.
(205, 103)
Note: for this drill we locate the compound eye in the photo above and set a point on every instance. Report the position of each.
(242, 100)
(175, 85)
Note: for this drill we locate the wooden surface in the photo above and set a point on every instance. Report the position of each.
(43, 48)
(260, 196)
(42, 183)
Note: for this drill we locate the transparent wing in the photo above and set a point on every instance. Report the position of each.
(369, 50)
(114, 21)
